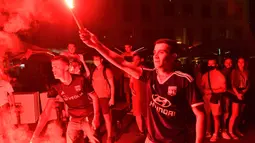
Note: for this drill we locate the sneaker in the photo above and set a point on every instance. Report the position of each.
(214, 138)
(225, 135)
(233, 136)
(208, 135)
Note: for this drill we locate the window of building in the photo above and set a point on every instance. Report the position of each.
(222, 33)
(206, 34)
(169, 8)
(148, 34)
(190, 36)
(145, 12)
(168, 33)
(206, 11)
(238, 33)
(187, 10)
(127, 11)
(238, 13)
(222, 10)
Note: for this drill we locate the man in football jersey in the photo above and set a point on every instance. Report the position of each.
(74, 90)
(172, 95)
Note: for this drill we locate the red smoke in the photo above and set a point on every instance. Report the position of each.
(22, 133)
(18, 15)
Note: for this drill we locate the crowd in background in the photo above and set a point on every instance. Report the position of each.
(224, 91)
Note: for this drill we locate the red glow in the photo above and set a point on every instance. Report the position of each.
(70, 3)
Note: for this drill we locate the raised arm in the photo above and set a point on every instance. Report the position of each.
(85, 65)
(43, 119)
(110, 79)
(247, 84)
(90, 40)
(96, 119)
(233, 82)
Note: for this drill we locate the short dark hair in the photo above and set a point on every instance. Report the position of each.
(226, 58)
(171, 43)
(61, 58)
(97, 55)
(212, 59)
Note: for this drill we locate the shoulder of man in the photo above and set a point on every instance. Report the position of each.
(76, 76)
(183, 75)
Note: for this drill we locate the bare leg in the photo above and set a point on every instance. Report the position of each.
(207, 112)
(139, 122)
(232, 120)
(216, 124)
(108, 124)
(226, 113)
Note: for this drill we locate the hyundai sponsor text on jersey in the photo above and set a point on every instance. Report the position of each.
(169, 104)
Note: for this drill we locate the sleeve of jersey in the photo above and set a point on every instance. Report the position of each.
(193, 96)
(87, 86)
(52, 92)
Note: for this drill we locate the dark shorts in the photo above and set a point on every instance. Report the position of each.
(104, 105)
(236, 100)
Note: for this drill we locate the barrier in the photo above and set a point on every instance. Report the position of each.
(44, 99)
(29, 106)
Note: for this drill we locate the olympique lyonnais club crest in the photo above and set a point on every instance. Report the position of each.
(172, 90)
(78, 88)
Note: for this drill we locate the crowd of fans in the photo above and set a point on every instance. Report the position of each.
(159, 98)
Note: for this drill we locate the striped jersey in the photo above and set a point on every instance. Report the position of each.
(169, 105)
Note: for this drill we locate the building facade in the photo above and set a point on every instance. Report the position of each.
(187, 21)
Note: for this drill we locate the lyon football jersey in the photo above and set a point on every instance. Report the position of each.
(75, 96)
(170, 103)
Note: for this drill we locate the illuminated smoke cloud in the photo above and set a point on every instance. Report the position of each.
(18, 15)
(9, 43)
(22, 134)
(53, 133)
(12, 133)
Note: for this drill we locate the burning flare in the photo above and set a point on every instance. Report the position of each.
(70, 3)
(77, 20)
